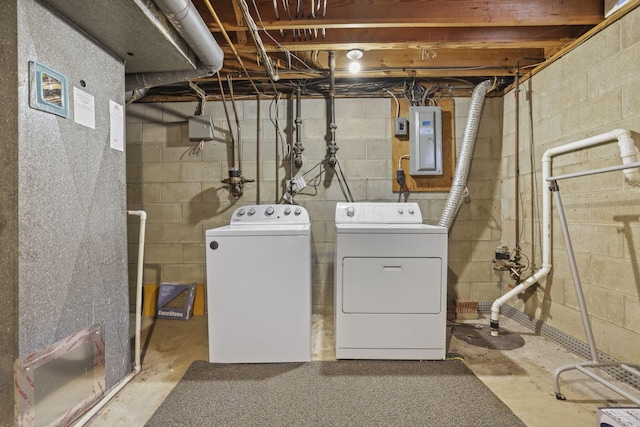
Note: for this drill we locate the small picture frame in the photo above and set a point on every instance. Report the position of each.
(49, 90)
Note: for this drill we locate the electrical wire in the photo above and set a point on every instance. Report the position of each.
(255, 6)
(319, 87)
(395, 99)
(233, 48)
(320, 163)
(532, 160)
(344, 180)
(285, 147)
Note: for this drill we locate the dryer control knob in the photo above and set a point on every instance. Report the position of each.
(287, 211)
(400, 211)
(350, 211)
(269, 211)
(411, 211)
(298, 211)
(252, 211)
(240, 212)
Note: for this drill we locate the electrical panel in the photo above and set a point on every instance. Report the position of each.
(200, 128)
(425, 140)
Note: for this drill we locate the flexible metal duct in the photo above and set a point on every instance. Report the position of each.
(466, 153)
(184, 16)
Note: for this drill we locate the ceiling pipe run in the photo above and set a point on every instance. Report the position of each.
(184, 16)
(628, 153)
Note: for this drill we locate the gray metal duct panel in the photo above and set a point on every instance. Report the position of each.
(71, 184)
(8, 203)
(134, 30)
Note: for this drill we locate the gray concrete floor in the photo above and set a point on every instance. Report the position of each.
(521, 378)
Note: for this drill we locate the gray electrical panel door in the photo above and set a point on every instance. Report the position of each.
(425, 140)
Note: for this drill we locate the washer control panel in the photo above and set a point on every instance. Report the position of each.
(273, 214)
(378, 213)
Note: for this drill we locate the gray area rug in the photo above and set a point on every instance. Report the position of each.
(341, 393)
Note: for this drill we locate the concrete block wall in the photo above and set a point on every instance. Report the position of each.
(591, 90)
(184, 197)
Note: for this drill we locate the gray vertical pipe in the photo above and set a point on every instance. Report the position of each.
(333, 148)
(298, 148)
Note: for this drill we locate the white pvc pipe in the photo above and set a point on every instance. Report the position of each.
(137, 364)
(141, 236)
(628, 154)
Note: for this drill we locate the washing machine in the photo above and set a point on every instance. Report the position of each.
(390, 283)
(259, 286)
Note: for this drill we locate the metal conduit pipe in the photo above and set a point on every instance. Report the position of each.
(466, 154)
(134, 95)
(628, 153)
(237, 118)
(184, 16)
(333, 148)
(298, 148)
(226, 113)
(258, 132)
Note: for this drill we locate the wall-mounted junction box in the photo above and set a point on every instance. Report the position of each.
(200, 128)
(401, 126)
(425, 140)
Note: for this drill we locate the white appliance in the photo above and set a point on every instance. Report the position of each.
(390, 283)
(259, 286)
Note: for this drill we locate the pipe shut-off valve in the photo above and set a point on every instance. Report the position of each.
(236, 181)
(504, 260)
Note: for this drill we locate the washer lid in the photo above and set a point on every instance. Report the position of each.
(378, 213)
(261, 230)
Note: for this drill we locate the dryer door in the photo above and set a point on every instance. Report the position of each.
(391, 285)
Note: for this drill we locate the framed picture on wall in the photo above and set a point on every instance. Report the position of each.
(48, 90)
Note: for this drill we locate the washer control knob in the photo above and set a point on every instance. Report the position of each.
(252, 212)
(240, 212)
(350, 211)
(400, 211)
(287, 211)
(269, 211)
(298, 211)
(411, 211)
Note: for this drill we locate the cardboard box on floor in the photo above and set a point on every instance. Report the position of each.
(175, 300)
(150, 299)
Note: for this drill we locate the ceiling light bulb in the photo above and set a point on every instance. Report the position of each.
(355, 54)
(354, 67)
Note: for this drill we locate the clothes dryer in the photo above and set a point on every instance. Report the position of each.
(390, 283)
